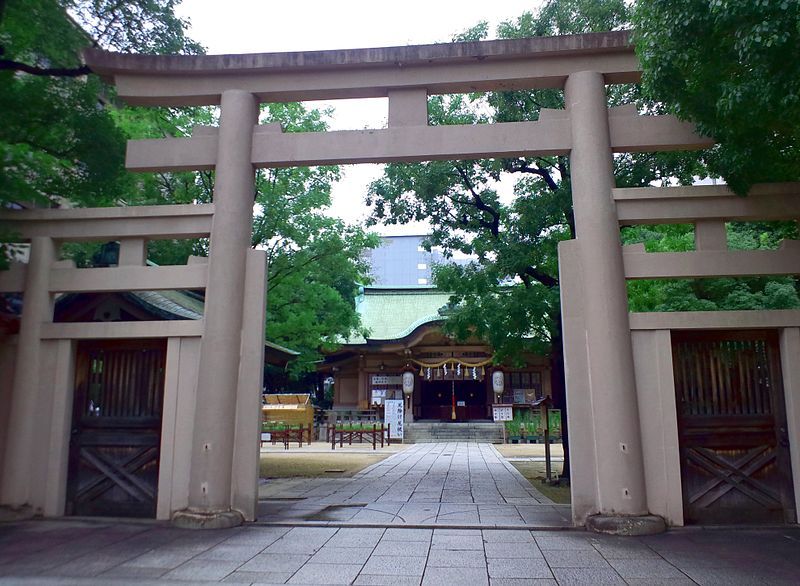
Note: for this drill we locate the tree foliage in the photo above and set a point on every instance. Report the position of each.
(55, 142)
(733, 68)
(314, 260)
(509, 294)
(134, 26)
(713, 294)
(63, 141)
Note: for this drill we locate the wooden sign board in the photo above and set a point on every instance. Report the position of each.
(502, 412)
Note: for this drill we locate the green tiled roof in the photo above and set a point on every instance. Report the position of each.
(393, 313)
(173, 303)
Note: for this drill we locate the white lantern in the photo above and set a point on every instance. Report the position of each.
(498, 381)
(408, 383)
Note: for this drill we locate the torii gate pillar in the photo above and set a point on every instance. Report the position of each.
(611, 392)
(231, 238)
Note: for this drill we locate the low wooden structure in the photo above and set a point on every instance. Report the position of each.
(290, 409)
(287, 435)
(349, 432)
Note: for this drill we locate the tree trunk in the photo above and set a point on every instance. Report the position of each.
(559, 387)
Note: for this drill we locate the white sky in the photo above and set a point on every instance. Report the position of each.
(261, 26)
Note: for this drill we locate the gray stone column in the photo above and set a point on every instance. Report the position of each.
(612, 392)
(37, 308)
(231, 233)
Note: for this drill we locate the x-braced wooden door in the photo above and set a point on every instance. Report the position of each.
(735, 465)
(116, 428)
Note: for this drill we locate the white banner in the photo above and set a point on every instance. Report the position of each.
(394, 417)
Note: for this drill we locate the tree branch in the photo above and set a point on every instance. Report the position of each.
(525, 168)
(569, 213)
(44, 148)
(8, 64)
(276, 277)
(541, 276)
(494, 225)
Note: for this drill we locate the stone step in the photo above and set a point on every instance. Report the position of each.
(435, 431)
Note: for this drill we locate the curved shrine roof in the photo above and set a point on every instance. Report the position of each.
(394, 313)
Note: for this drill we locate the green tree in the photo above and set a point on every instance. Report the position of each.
(733, 68)
(56, 143)
(713, 294)
(314, 260)
(61, 140)
(156, 188)
(509, 294)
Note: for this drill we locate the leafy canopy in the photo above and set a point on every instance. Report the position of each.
(733, 68)
(62, 140)
(57, 141)
(509, 294)
(314, 260)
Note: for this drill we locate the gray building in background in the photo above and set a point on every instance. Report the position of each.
(402, 262)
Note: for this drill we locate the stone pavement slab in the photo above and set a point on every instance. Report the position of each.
(34, 554)
(444, 484)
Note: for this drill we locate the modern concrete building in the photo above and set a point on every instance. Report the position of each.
(649, 443)
(402, 261)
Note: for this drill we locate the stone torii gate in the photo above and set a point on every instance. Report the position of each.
(586, 130)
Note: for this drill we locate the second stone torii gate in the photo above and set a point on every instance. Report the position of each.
(586, 130)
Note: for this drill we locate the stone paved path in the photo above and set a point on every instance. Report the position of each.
(81, 553)
(465, 485)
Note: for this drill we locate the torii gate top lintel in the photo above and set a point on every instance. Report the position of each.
(509, 64)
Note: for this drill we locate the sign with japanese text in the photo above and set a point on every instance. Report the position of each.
(502, 412)
(387, 379)
(393, 416)
(378, 396)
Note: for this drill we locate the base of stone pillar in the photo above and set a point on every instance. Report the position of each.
(201, 519)
(12, 514)
(631, 525)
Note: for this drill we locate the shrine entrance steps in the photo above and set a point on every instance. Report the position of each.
(424, 432)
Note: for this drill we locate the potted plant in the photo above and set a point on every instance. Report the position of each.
(533, 426)
(513, 431)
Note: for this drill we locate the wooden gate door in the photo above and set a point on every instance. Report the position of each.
(116, 428)
(735, 465)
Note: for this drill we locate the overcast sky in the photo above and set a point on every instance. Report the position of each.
(260, 26)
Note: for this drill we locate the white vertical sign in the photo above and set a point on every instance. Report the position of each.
(394, 417)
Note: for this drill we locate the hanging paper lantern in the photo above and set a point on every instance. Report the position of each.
(408, 383)
(498, 382)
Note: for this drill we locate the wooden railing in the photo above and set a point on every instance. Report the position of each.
(288, 435)
(348, 432)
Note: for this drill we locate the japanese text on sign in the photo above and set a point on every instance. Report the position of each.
(502, 413)
(394, 417)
